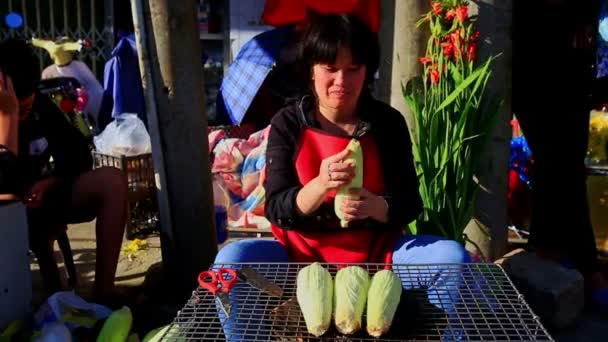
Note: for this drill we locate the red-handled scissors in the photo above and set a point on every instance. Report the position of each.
(219, 283)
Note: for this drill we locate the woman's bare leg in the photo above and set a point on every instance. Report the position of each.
(9, 131)
(9, 120)
(102, 193)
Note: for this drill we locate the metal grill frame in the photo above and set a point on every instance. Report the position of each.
(492, 309)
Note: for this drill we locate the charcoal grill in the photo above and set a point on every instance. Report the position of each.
(488, 308)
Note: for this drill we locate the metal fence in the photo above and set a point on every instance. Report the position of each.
(90, 20)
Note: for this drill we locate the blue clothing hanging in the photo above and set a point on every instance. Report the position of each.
(123, 90)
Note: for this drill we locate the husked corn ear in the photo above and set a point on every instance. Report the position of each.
(350, 295)
(117, 326)
(382, 301)
(355, 157)
(168, 332)
(315, 296)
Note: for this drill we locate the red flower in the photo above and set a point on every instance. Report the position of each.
(455, 37)
(448, 49)
(457, 41)
(436, 6)
(475, 36)
(472, 52)
(435, 76)
(450, 14)
(462, 13)
(425, 60)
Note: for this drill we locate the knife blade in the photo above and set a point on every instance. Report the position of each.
(253, 278)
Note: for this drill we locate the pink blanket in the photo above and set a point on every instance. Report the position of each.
(239, 165)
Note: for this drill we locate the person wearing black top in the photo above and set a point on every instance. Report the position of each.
(51, 170)
(554, 94)
(9, 109)
(306, 163)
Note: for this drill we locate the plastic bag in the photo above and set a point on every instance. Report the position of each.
(67, 308)
(54, 332)
(603, 22)
(126, 135)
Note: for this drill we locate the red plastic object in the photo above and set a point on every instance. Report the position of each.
(287, 12)
(223, 280)
(67, 105)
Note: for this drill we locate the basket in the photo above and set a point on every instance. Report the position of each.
(139, 170)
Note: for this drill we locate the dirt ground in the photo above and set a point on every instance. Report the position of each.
(132, 267)
(139, 277)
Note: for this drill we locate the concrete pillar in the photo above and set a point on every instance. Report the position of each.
(401, 46)
(489, 231)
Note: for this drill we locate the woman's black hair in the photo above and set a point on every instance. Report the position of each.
(326, 34)
(17, 60)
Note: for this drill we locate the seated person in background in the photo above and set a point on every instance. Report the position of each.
(9, 109)
(56, 179)
(307, 163)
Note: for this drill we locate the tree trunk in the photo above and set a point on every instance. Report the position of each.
(489, 230)
(401, 46)
(171, 64)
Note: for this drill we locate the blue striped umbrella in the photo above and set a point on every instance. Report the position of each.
(250, 68)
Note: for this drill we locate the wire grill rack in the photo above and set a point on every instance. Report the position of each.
(487, 308)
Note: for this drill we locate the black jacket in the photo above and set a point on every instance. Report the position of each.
(391, 134)
(46, 133)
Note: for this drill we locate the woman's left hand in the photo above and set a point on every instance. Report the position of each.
(367, 206)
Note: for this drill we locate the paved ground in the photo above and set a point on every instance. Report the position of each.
(590, 328)
(140, 274)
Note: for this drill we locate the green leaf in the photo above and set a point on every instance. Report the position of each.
(465, 84)
(413, 228)
(456, 75)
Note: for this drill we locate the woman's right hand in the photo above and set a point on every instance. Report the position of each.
(335, 171)
(9, 105)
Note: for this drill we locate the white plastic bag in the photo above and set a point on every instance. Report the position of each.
(126, 135)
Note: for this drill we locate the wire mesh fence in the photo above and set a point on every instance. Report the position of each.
(88, 20)
(481, 305)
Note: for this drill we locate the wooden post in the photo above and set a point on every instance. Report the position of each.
(489, 231)
(170, 60)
